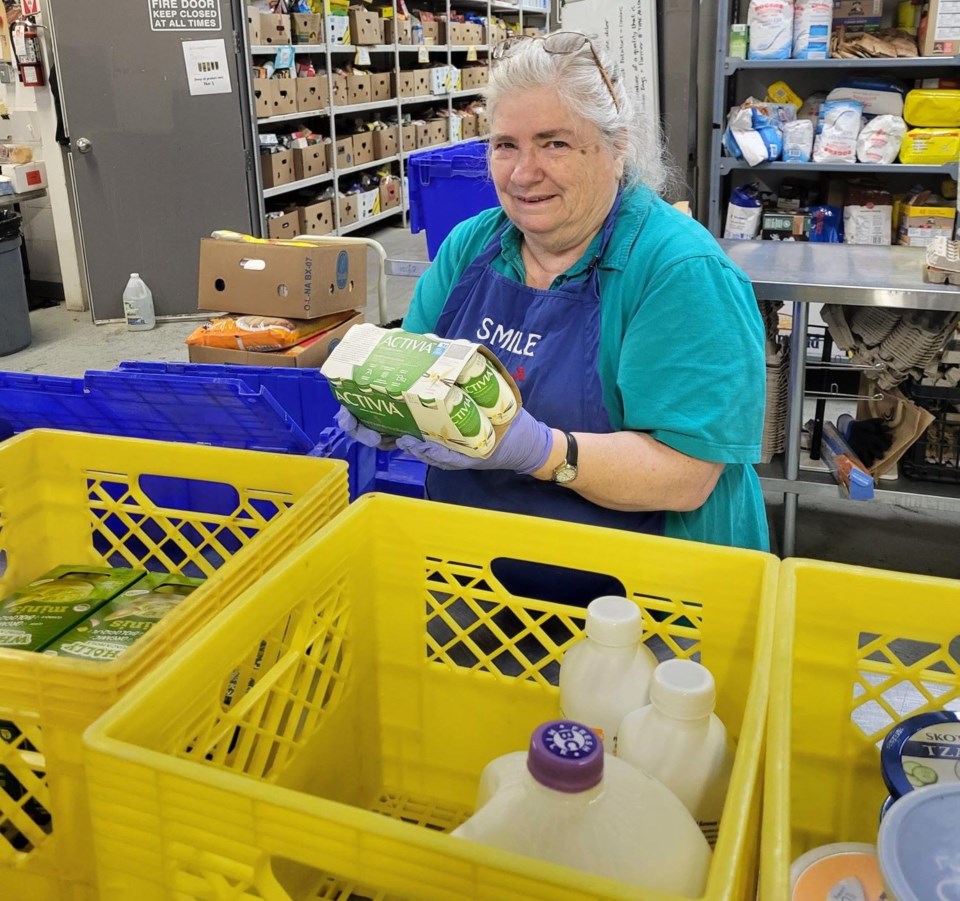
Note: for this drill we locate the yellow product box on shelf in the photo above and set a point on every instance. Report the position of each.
(932, 107)
(930, 146)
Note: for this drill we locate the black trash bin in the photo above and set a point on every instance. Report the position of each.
(14, 308)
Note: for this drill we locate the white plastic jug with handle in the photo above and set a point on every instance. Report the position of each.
(138, 305)
(567, 802)
(679, 740)
(605, 676)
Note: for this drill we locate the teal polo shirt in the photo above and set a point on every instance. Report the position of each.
(682, 346)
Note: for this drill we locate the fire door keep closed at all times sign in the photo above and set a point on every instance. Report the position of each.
(184, 15)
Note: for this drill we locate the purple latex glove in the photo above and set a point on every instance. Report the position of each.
(364, 434)
(524, 448)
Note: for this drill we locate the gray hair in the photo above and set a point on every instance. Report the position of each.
(577, 79)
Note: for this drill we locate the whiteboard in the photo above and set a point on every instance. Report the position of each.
(627, 31)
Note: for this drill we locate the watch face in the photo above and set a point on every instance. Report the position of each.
(564, 473)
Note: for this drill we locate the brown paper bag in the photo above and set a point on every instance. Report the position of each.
(907, 420)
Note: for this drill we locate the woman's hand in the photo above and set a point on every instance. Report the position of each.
(523, 448)
(359, 432)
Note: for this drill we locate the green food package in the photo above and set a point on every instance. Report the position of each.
(38, 614)
(115, 626)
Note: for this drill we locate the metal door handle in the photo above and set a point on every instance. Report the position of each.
(84, 145)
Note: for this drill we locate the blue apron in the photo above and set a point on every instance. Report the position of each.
(549, 341)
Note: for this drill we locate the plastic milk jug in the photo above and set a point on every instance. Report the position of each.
(605, 676)
(679, 740)
(138, 305)
(567, 802)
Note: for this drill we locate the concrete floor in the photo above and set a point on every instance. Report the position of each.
(68, 343)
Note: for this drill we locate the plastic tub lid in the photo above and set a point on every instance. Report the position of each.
(919, 845)
(922, 750)
(839, 871)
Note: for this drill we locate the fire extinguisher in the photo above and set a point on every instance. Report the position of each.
(26, 44)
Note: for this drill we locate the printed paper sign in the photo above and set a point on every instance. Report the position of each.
(183, 15)
(30, 7)
(206, 63)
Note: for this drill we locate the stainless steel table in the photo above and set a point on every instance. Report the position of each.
(17, 199)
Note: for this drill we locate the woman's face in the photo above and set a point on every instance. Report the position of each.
(553, 173)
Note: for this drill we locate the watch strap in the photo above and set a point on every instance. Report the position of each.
(572, 450)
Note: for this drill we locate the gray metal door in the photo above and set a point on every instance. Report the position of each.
(154, 167)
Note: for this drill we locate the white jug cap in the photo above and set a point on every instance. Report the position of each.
(614, 622)
(134, 275)
(683, 689)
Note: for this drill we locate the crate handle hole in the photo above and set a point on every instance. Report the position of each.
(549, 582)
(195, 495)
(3, 562)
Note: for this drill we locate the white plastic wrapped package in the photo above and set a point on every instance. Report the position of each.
(797, 141)
(771, 29)
(837, 138)
(744, 212)
(811, 107)
(811, 28)
(879, 140)
(752, 136)
(879, 98)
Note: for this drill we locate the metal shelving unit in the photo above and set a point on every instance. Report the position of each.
(729, 164)
(292, 186)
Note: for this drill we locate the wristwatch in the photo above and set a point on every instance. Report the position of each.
(567, 470)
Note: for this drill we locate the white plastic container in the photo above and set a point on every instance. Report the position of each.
(138, 305)
(567, 802)
(605, 676)
(679, 740)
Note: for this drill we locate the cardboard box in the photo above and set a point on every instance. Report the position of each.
(408, 138)
(277, 168)
(317, 218)
(284, 96)
(341, 93)
(26, 176)
(939, 33)
(363, 148)
(540, 32)
(454, 79)
(779, 226)
(309, 354)
(263, 97)
(307, 28)
(299, 281)
(119, 623)
(857, 13)
(253, 26)
(368, 204)
(397, 31)
(423, 135)
(925, 219)
(469, 121)
(431, 32)
(438, 131)
(438, 80)
(421, 82)
(475, 76)
(347, 206)
(455, 128)
(338, 30)
(389, 193)
(380, 86)
(385, 142)
(340, 153)
(365, 27)
(313, 93)
(285, 227)
(463, 34)
(309, 162)
(48, 607)
(483, 124)
(403, 83)
(358, 89)
(274, 29)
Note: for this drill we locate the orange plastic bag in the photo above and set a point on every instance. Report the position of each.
(258, 333)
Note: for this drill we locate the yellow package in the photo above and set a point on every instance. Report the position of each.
(780, 92)
(259, 333)
(932, 108)
(930, 146)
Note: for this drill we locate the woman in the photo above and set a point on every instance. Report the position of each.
(636, 345)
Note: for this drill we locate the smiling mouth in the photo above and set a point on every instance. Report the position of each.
(534, 199)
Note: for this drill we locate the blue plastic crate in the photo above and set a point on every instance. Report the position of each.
(399, 473)
(447, 186)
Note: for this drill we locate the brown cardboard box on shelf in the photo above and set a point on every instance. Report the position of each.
(347, 204)
(365, 27)
(312, 93)
(431, 32)
(397, 31)
(309, 162)
(421, 82)
(363, 148)
(263, 96)
(858, 15)
(302, 281)
(483, 124)
(464, 34)
(938, 34)
(317, 218)
(475, 76)
(284, 227)
(408, 137)
(380, 86)
(439, 131)
(389, 193)
(274, 29)
(342, 150)
(307, 28)
(534, 32)
(253, 25)
(284, 96)
(923, 217)
(423, 135)
(341, 93)
(309, 354)
(277, 168)
(469, 125)
(358, 89)
(385, 142)
(403, 83)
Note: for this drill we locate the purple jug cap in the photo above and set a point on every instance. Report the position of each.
(565, 756)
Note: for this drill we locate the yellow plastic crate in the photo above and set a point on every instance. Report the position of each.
(371, 677)
(856, 651)
(72, 498)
